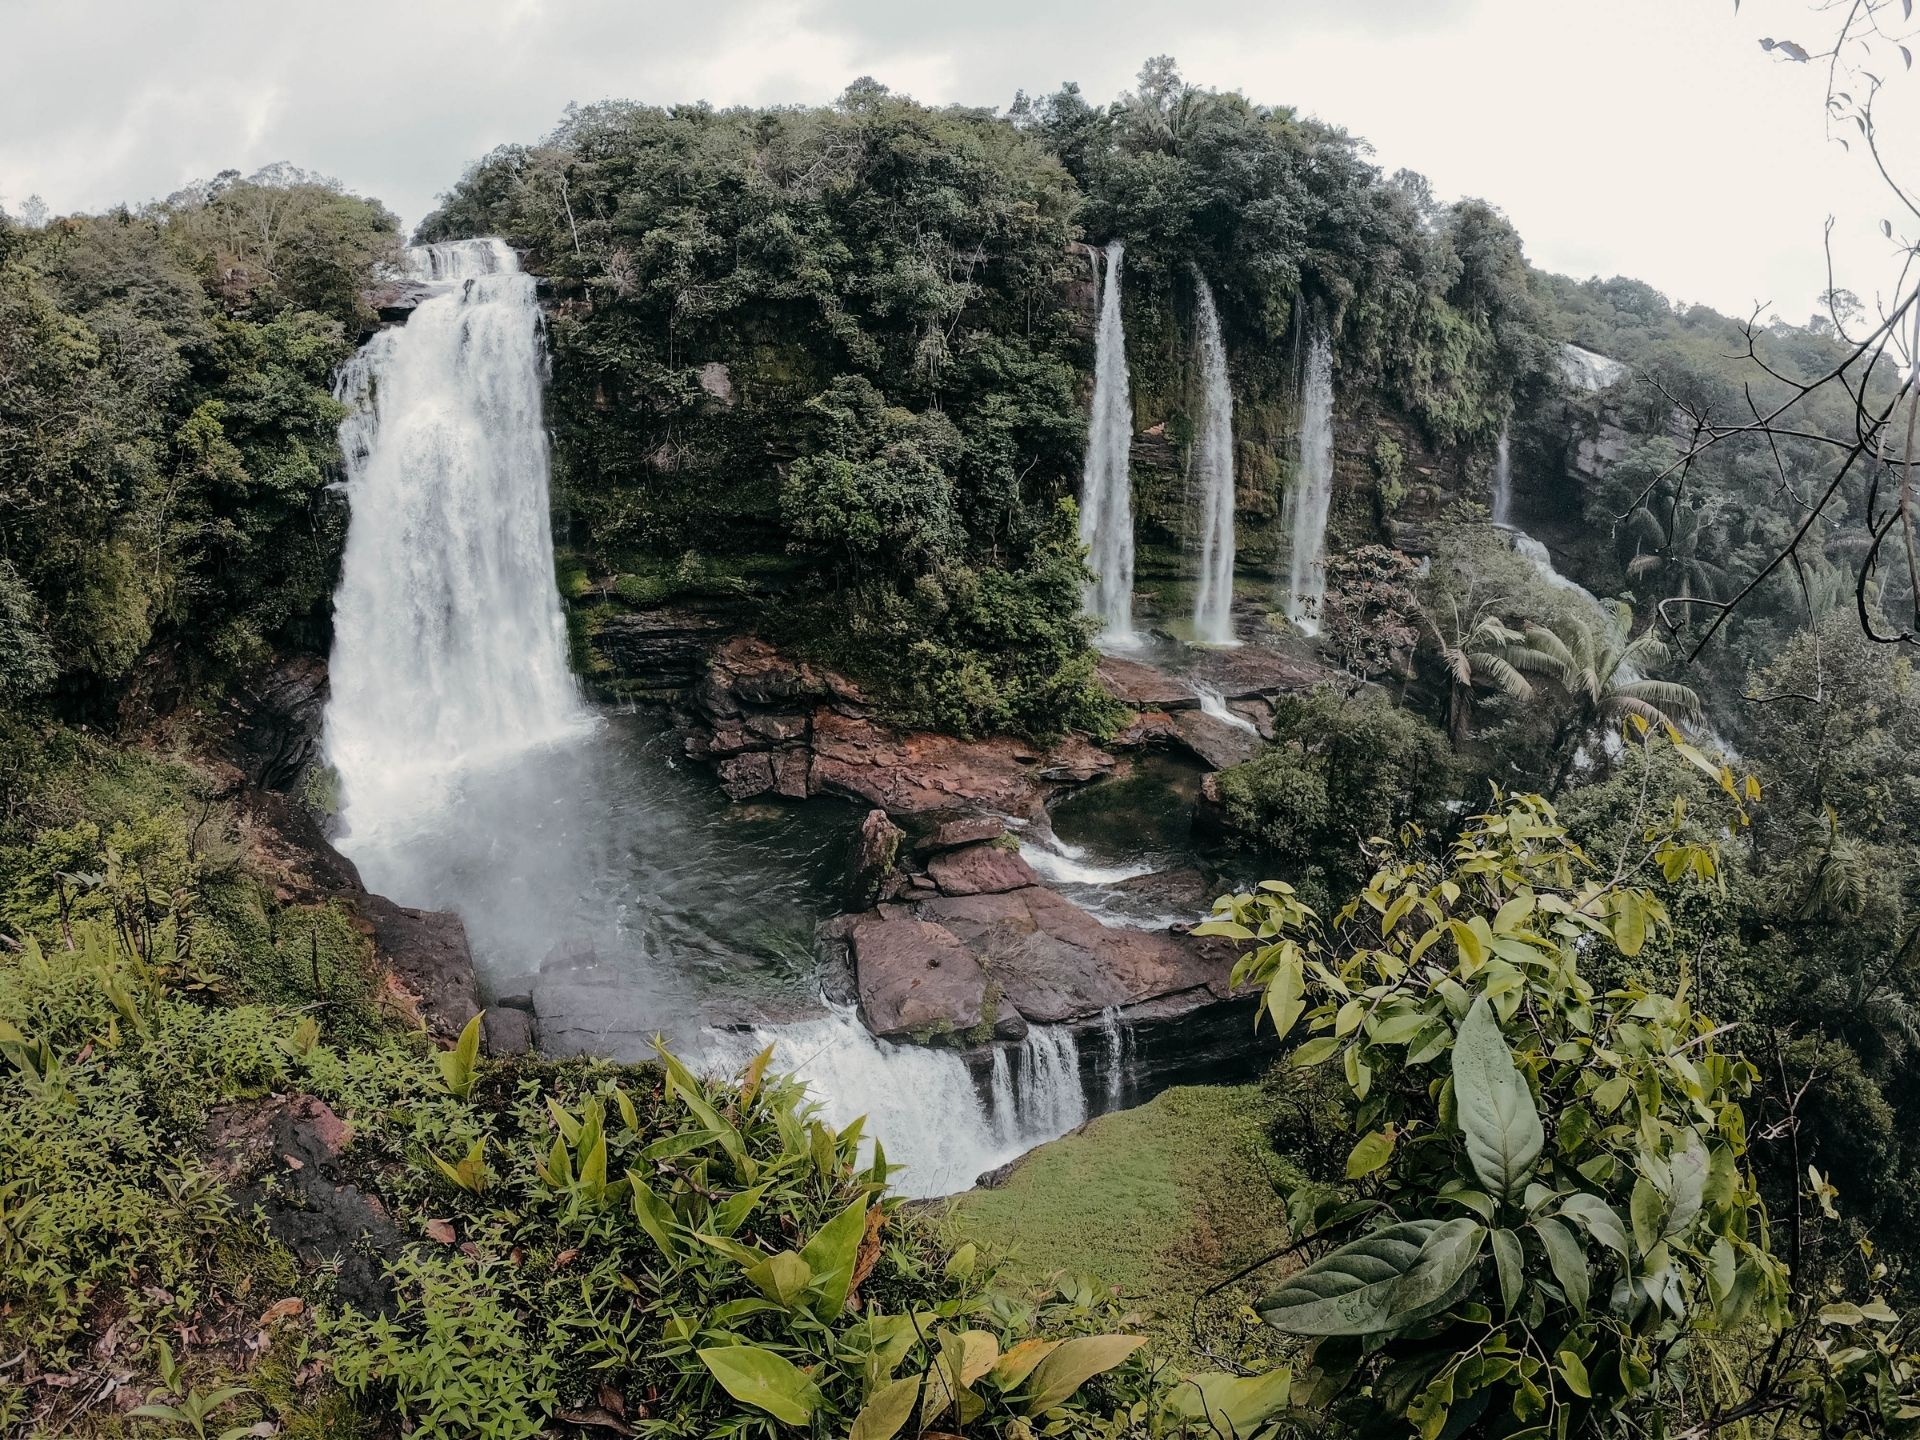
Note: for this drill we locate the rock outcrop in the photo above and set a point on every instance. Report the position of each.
(772, 726)
(284, 1158)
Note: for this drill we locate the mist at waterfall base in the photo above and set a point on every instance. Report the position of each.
(1310, 498)
(1213, 459)
(1106, 495)
(475, 778)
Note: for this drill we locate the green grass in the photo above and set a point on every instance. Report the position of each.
(1160, 1203)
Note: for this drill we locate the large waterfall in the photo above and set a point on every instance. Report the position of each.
(1106, 495)
(618, 891)
(1502, 480)
(1213, 600)
(1311, 495)
(449, 646)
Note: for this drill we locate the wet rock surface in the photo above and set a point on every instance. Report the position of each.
(286, 1156)
(915, 978)
(983, 869)
(428, 955)
(771, 726)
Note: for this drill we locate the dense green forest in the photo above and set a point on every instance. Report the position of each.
(1590, 976)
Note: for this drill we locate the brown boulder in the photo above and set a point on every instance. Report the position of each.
(914, 976)
(875, 850)
(921, 773)
(1145, 687)
(967, 830)
(428, 953)
(983, 869)
(1217, 743)
(1054, 962)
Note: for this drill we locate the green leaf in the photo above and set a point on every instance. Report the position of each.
(889, 1409)
(1388, 1278)
(1014, 1366)
(831, 1254)
(1600, 1220)
(763, 1380)
(1495, 1108)
(1235, 1406)
(681, 1082)
(1286, 992)
(1686, 1186)
(458, 1064)
(1511, 1264)
(1646, 1208)
(1568, 1259)
(1373, 1151)
(654, 1215)
(1574, 1373)
(732, 1213)
(1071, 1364)
(781, 1278)
(1312, 1052)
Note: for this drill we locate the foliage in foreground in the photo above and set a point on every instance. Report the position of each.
(1554, 1227)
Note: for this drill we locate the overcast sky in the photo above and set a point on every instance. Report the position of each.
(1642, 137)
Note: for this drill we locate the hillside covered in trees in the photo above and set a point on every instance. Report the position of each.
(1583, 981)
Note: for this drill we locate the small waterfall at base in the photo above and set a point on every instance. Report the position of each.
(1119, 1049)
(449, 647)
(1106, 495)
(1213, 600)
(1213, 703)
(1309, 499)
(921, 1100)
(1502, 481)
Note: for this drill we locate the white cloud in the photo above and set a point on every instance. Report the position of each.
(1644, 137)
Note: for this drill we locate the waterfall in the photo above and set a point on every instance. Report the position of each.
(1311, 495)
(1119, 1047)
(1106, 497)
(1502, 480)
(449, 647)
(1213, 601)
(1049, 1100)
(1213, 703)
(921, 1101)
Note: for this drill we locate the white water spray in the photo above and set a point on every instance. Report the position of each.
(449, 648)
(1213, 601)
(1502, 480)
(1311, 496)
(1119, 1049)
(921, 1100)
(1106, 495)
(1213, 703)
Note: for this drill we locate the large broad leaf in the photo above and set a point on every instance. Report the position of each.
(1071, 1364)
(763, 1380)
(1390, 1278)
(1600, 1218)
(887, 1412)
(1234, 1406)
(1568, 1258)
(1495, 1107)
(831, 1254)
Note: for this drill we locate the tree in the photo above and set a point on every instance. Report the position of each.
(1598, 667)
(1552, 1225)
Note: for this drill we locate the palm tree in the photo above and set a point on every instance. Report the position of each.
(1474, 648)
(1673, 557)
(1601, 668)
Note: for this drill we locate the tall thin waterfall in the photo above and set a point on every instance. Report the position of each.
(1213, 601)
(1311, 495)
(449, 647)
(1106, 495)
(1502, 480)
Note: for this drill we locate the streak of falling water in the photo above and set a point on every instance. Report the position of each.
(1106, 495)
(449, 647)
(1213, 600)
(1502, 481)
(1310, 498)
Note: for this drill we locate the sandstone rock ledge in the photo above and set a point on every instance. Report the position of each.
(771, 726)
(972, 947)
